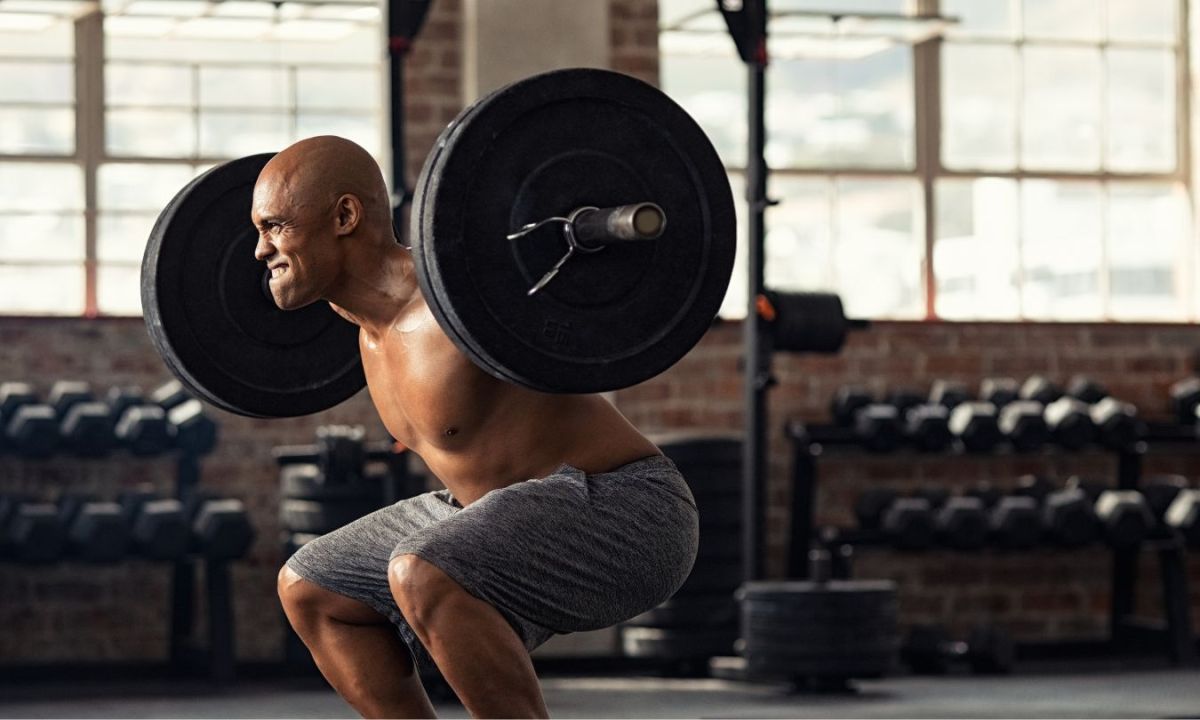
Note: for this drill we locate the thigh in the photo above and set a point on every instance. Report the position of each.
(352, 561)
(569, 552)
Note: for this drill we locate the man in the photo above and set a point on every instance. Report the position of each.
(558, 516)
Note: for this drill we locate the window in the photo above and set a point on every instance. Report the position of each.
(1055, 170)
(182, 86)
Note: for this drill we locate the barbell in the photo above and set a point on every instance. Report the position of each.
(573, 232)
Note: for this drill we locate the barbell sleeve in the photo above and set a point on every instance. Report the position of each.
(596, 228)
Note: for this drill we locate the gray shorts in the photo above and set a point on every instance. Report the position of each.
(564, 553)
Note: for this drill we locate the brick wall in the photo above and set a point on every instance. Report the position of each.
(1043, 594)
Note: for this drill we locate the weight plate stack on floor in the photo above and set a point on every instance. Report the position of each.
(700, 620)
(822, 631)
(310, 504)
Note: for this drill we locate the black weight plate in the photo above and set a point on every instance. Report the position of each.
(213, 321)
(544, 147)
(689, 643)
(310, 516)
(690, 611)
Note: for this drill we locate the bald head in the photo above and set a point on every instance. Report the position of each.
(315, 173)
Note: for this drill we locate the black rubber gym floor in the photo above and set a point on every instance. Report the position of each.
(1158, 693)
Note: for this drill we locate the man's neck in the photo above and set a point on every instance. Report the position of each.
(375, 287)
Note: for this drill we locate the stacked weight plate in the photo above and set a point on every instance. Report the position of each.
(700, 620)
(823, 631)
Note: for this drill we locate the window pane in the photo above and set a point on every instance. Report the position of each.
(1144, 20)
(981, 18)
(40, 82)
(856, 113)
(1061, 114)
(37, 130)
(33, 187)
(57, 40)
(363, 130)
(1141, 110)
(1149, 255)
(713, 91)
(133, 186)
(42, 290)
(1061, 244)
(975, 253)
(979, 106)
(122, 238)
(878, 247)
(118, 289)
(245, 87)
(150, 133)
(147, 84)
(1063, 19)
(41, 237)
(235, 135)
(799, 249)
(337, 89)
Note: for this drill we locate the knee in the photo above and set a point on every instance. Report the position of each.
(420, 589)
(295, 593)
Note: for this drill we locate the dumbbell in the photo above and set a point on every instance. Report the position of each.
(987, 650)
(1070, 423)
(876, 425)
(85, 425)
(1014, 523)
(975, 425)
(1041, 389)
(1185, 398)
(139, 426)
(927, 427)
(1082, 387)
(1067, 516)
(158, 528)
(30, 532)
(1183, 516)
(192, 430)
(1023, 424)
(170, 394)
(961, 524)
(97, 531)
(907, 522)
(999, 391)
(1117, 424)
(30, 428)
(1124, 516)
(220, 527)
(948, 393)
(905, 399)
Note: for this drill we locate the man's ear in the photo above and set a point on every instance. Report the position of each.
(347, 214)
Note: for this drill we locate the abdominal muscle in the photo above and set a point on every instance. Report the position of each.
(475, 432)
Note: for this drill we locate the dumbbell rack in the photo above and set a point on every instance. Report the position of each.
(186, 655)
(1126, 630)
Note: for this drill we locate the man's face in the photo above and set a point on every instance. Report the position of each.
(297, 242)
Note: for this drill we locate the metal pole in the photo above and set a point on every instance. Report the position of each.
(757, 355)
(398, 44)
